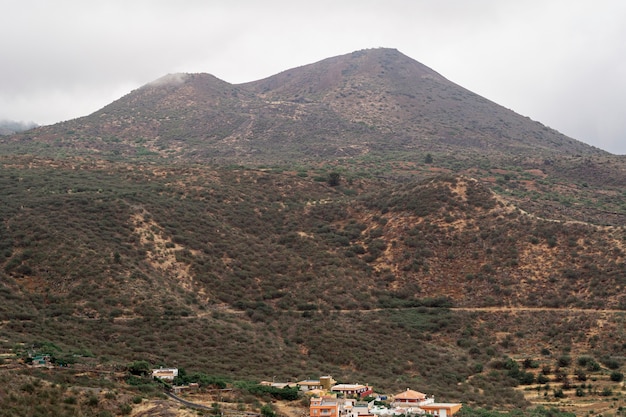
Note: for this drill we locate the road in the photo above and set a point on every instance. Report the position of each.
(224, 411)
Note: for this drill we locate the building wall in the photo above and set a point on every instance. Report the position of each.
(322, 408)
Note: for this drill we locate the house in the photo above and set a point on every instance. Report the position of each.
(309, 385)
(330, 406)
(354, 408)
(325, 407)
(40, 361)
(420, 403)
(178, 389)
(355, 390)
(409, 398)
(441, 409)
(324, 383)
(167, 374)
(280, 385)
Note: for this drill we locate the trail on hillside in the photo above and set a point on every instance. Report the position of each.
(498, 309)
(531, 309)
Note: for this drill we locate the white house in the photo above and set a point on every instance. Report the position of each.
(167, 374)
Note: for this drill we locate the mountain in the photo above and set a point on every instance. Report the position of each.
(361, 217)
(369, 102)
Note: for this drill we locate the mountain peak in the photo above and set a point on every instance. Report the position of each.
(374, 65)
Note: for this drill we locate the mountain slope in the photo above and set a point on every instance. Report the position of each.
(249, 273)
(368, 102)
(289, 242)
(409, 103)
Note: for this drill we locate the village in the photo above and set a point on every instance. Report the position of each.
(327, 398)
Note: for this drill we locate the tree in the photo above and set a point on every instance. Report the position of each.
(140, 368)
(268, 411)
(564, 361)
(428, 159)
(334, 179)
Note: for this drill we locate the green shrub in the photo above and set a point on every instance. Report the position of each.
(126, 409)
(610, 363)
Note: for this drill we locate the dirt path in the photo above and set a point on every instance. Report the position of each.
(538, 309)
(497, 309)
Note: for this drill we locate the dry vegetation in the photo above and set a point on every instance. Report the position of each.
(362, 217)
(256, 273)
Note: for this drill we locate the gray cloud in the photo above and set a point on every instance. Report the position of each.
(560, 62)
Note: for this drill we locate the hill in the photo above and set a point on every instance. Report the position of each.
(361, 216)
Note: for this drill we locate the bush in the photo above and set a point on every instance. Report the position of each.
(564, 361)
(617, 376)
(593, 366)
(125, 409)
(526, 378)
(140, 368)
(610, 363)
(92, 401)
(268, 411)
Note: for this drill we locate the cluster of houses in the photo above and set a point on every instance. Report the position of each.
(329, 399)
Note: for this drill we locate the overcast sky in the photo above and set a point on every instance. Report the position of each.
(560, 62)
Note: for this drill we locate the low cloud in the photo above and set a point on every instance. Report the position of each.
(169, 80)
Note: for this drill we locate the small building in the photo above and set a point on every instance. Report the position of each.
(441, 409)
(167, 374)
(310, 384)
(356, 390)
(280, 385)
(41, 361)
(324, 383)
(178, 389)
(354, 408)
(324, 407)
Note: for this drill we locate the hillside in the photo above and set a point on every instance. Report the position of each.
(233, 235)
(362, 217)
(250, 273)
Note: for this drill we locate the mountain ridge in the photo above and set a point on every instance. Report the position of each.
(369, 101)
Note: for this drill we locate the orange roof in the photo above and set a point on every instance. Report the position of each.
(409, 394)
(451, 408)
